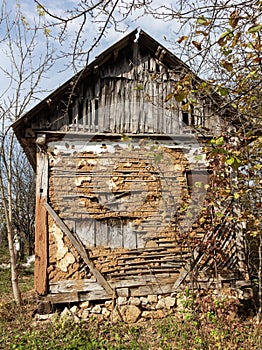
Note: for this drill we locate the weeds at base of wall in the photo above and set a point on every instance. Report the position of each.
(205, 323)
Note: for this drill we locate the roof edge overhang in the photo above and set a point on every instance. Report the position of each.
(98, 61)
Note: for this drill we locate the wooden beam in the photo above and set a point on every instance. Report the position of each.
(41, 223)
(80, 249)
(104, 135)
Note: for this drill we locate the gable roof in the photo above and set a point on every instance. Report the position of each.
(143, 39)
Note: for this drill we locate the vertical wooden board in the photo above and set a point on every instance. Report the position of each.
(76, 115)
(85, 229)
(150, 106)
(92, 115)
(110, 106)
(159, 103)
(114, 236)
(143, 105)
(129, 236)
(105, 107)
(176, 120)
(168, 113)
(41, 238)
(84, 113)
(134, 119)
(116, 108)
(124, 102)
(100, 233)
(128, 106)
(89, 110)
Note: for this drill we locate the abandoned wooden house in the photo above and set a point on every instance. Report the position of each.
(120, 181)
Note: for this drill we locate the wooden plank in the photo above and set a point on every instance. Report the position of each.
(41, 243)
(86, 231)
(94, 291)
(100, 233)
(153, 289)
(84, 113)
(65, 286)
(70, 297)
(80, 249)
(91, 285)
(129, 237)
(114, 236)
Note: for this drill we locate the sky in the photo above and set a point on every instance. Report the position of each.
(156, 28)
(59, 73)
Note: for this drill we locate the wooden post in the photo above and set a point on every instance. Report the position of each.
(41, 223)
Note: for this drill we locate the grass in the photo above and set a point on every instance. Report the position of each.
(18, 332)
(211, 327)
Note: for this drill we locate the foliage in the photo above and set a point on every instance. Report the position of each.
(212, 332)
(202, 322)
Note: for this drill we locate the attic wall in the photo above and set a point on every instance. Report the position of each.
(128, 94)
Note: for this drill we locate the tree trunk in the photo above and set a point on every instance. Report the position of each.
(7, 204)
(259, 315)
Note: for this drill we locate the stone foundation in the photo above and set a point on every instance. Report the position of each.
(139, 309)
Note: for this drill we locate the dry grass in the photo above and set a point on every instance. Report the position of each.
(201, 326)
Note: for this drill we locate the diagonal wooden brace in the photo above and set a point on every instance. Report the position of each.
(80, 249)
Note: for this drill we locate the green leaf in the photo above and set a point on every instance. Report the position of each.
(255, 28)
(193, 101)
(224, 37)
(139, 87)
(220, 141)
(234, 162)
(230, 161)
(198, 157)
(180, 96)
(40, 10)
(125, 138)
(47, 32)
(169, 96)
(158, 158)
(203, 21)
(222, 91)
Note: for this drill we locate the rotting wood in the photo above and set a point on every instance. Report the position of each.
(100, 294)
(91, 285)
(41, 223)
(81, 250)
(114, 100)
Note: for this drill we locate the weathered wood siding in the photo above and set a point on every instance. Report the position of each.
(128, 95)
(136, 187)
(125, 200)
